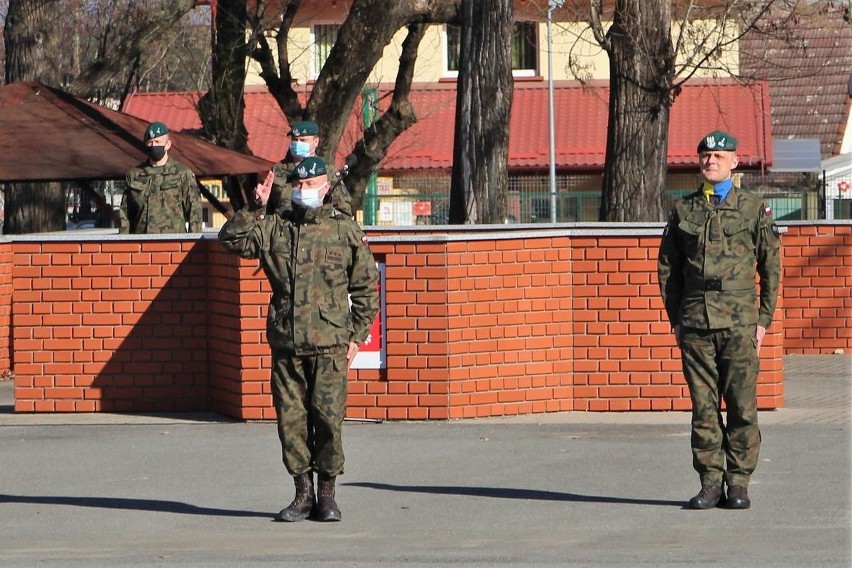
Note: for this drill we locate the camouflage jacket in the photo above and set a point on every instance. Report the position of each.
(280, 196)
(160, 199)
(323, 275)
(709, 258)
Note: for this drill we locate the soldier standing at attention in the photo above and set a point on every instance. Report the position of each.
(317, 262)
(161, 195)
(715, 243)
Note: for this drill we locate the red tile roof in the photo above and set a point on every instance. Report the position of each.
(580, 124)
(809, 78)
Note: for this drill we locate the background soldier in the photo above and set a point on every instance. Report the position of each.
(304, 141)
(716, 241)
(160, 195)
(317, 261)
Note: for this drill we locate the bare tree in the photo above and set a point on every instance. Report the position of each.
(654, 46)
(481, 149)
(132, 39)
(641, 70)
(98, 49)
(369, 27)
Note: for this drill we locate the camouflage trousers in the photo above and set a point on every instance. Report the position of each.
(722, 365)
(309, 393)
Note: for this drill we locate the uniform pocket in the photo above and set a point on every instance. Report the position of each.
(692, 225)
(338, 331)
(335, 256)
(334, 267)
(277, 322)
(334, 316)
(169, 185)
(138, 186)
(740, 237)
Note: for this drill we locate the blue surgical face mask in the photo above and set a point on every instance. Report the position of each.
(300, 149)
(308, 198)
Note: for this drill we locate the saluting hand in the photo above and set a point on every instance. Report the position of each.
(262, 190)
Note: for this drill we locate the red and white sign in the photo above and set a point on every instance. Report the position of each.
(372, 354)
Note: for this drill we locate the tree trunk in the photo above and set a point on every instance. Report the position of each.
(641, 59)
(485, 85)
(29, 34)
(222, 108)
(370, 150)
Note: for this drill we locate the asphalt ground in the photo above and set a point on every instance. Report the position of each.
(569, 489)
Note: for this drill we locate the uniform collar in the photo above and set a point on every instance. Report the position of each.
(312, 215)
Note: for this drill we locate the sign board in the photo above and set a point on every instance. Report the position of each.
(373, 352)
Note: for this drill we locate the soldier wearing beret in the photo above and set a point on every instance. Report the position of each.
(324, 300)
(304, 141)
(161, 194)
(717, 242)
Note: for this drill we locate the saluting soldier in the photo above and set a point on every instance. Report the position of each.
(718, 240)
(325, 297)
(160, 194)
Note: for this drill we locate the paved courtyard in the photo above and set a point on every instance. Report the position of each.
(575, 489)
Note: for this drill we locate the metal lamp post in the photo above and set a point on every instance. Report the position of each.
(551, 6)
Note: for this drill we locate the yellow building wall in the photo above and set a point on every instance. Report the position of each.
(575, 53)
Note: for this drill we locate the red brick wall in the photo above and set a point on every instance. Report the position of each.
(817, 288)
(509, 322)
(474, 328)
(113, 326)
(5, 308)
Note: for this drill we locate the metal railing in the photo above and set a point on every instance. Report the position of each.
(425, 200)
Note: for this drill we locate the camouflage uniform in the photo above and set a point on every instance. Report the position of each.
(160, 199)
(316, 260)
(708, 260)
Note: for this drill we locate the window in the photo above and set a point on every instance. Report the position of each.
(324, 37)
(524, 49)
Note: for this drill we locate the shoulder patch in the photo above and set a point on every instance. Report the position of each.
(767, 210)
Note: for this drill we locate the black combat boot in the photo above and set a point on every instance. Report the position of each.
(738, 497)
(707, 498)
(303, 502)
(326, 509)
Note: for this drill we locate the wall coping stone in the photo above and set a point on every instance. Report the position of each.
(420, 233)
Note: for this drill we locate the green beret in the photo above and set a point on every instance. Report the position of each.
(717, 140)
(304, 128)
(155, 130)
(308, 168)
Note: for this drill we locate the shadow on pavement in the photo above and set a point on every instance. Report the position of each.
(510, 493)
(154, 505)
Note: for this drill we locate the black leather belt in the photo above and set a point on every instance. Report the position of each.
(719, 285)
